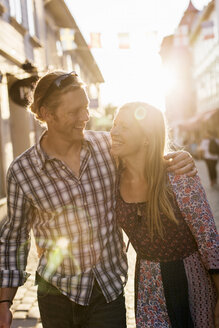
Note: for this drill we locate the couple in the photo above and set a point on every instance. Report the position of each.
(69, 190)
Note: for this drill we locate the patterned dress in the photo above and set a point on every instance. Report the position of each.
(173, 285)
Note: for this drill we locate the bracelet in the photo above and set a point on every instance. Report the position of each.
(8, 301)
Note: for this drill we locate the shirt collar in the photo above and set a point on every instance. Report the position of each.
(43, 157)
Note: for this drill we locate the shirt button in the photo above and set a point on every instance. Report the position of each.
(85, 204)
(63, 167)
(92, 246)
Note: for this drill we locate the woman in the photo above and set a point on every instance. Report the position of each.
(169, 223)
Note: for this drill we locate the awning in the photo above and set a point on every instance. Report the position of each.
(195, 122)
(210, 115)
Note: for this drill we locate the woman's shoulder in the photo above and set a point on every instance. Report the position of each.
(190, 196)
(183, 184)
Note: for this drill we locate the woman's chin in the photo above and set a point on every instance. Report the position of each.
(115, 151)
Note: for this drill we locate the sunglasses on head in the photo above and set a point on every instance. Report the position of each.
(59, 83)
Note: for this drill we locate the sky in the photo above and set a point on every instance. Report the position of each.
(135, 73)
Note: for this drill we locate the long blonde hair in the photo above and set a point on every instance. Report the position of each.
(152, 123)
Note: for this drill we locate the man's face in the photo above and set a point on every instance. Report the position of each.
(71, 116)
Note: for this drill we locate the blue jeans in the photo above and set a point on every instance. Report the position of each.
(57, 311)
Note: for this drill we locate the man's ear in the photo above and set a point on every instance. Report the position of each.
(45, 114)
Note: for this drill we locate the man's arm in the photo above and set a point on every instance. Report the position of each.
(6, 294)
(14, 247)
(15, 236)
(181, 162)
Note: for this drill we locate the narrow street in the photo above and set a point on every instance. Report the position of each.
(26, 313)
(63, 62)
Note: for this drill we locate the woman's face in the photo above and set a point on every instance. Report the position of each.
(126, 134)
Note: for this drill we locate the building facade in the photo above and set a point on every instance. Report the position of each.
(177, 59)
(197, 41)
(204, 40)
(31, 43)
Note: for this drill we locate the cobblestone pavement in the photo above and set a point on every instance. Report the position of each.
(25, 309)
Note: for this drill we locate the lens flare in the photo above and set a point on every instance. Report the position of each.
(56, 255)
(62, 243)
(140, 113)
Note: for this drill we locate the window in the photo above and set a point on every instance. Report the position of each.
(15, 10)
(31, 12)
(59, 48)
(69, 63)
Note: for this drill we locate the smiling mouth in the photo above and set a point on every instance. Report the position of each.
(79, 126)
(117, 142)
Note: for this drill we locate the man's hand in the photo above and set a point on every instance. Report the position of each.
(181, 162)
(7, 293)
(5, 316)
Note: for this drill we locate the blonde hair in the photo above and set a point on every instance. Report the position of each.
(152, 123)
(52, 101)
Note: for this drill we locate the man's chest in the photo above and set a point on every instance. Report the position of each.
(57, 188)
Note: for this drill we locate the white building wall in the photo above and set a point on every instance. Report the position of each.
(206, 66)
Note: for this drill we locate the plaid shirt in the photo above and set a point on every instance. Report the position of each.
(73, 220)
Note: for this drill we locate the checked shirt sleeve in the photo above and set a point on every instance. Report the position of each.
(14, 236)
(193, 204)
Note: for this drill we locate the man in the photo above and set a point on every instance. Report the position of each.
(64, 188)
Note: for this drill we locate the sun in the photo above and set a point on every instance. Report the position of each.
(169, 79)
(140, 79)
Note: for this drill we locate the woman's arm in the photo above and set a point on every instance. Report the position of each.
(193, 204)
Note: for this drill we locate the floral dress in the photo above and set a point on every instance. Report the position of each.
(173, 285)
